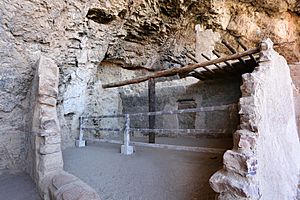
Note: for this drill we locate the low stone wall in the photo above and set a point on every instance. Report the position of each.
(264, 163)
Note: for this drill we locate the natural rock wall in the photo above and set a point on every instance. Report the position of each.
(78, 35)
(264, 163)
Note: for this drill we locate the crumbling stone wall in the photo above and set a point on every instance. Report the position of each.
(264, 163)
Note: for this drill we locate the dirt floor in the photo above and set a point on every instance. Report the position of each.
(222, 143)
(17, 187)
(149, 174)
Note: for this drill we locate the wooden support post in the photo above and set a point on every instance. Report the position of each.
(80, 142)
(152, 103)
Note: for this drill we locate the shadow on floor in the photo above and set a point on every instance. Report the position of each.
(17, 187)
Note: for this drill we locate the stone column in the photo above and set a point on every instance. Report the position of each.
(47, 166)
(45, 126)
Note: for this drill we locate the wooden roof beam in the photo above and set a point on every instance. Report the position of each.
(185, 69)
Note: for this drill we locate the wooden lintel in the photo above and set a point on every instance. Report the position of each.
(185, 69)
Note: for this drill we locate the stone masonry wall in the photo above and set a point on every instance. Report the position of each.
(264, 163)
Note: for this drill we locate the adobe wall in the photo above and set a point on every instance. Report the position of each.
(264, 163)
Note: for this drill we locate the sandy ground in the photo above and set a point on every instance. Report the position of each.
(149, 174)
(17, 187)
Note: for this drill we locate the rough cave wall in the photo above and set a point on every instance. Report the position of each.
(78, 35)
(144, 33)
(203, 94)
(264, 163)
(16, 74)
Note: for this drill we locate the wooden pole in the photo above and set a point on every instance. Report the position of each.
(190, 56)
(152, 103)
(233, 50)
(245, 49)
(185, 69)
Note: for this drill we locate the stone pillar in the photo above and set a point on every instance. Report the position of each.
(46, 136)
(47, 166)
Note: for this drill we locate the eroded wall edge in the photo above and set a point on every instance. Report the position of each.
(245, 170)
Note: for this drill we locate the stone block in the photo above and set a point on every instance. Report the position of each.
(54, 139)
(245, 140)
(50, 148)
(47, 100)
(65, 186)
(267, 51)
(47, 87)
(226, 182)
(49, 125)
(243, 163)
(62, 179)
(50, 162)
(249, 116)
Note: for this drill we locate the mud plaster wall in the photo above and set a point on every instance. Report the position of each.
(264, 163)
(179, 94)
(295, 73)
(278, 147)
